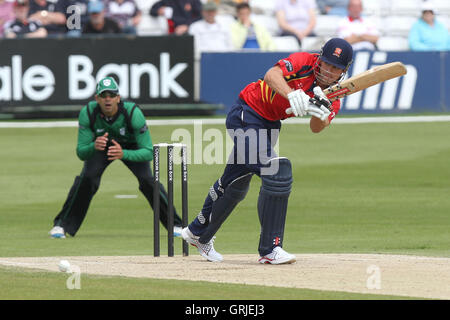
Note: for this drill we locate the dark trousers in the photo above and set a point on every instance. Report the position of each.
(246, 158)
(86, 185)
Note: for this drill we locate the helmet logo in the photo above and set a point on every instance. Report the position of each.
(337, 52)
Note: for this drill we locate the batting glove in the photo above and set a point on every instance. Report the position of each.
(321, 97)
(319, 92)
(322, 113)
(299, 101)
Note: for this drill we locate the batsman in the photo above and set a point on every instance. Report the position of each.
(109, 129)
(292, 87)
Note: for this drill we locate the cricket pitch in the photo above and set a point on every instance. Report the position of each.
(401, 275)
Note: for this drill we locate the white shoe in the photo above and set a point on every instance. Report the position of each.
(206, 250)
(277, 256)
(177, 231)
(57, 232)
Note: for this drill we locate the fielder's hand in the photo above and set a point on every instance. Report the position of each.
(115, 151)
(299, 102)
(101, 142)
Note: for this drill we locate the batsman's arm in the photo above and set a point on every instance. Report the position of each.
(85, 144)
(275, 80)
(316, 125)
(144, 152)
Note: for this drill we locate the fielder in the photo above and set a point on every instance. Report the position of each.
(284, 92)
(109, 129)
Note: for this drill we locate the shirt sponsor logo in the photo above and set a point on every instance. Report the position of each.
(288, 65)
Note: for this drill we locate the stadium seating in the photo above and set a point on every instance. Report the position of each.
(393, 19)
(376, 8)
(150, 26)
(372, 7)
(145, 5)
(393, 44)
(398, 25)
(288, 44)
(442, 7)
(405, 8)
(266, 7)
(225, 20)
(445, 19)
(326, 25)
(378, 22)
(270, 22)
(312, 43)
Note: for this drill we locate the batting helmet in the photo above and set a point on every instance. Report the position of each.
(338, 53)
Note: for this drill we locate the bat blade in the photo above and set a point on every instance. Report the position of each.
(365, 80)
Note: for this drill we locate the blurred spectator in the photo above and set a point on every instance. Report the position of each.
(246, 34)
(6, 14)
(21, 26)
(229, 6)
(51, 14)
(333, 7)
(179, 13)
(234, 2)
(76, 7)
(296, 17)
(98, 23)
(428, 33)
(208, 34)
(360, 32)
(125, 13)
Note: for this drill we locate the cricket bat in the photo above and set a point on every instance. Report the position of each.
(365, 80)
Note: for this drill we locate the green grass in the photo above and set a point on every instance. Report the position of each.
(34, 284)
(365, 188)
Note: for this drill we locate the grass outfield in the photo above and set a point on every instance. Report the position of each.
(50, 285)
(359, 188)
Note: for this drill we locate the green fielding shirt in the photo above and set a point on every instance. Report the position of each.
(137, 145)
